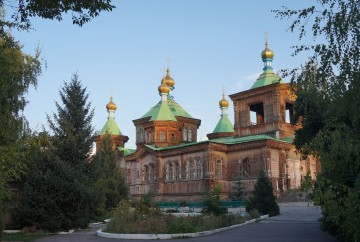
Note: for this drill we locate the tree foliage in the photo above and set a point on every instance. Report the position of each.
(55, 196)
(328, 102)
(108, 178)
(18, 72)
(237, 190)
(263, 198)
(57, 189)
(71, 125)
(212, 201)
(82, 11)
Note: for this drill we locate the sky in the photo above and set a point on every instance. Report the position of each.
(208, 45)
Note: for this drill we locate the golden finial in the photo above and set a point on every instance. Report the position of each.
(267, 53)
(111, 105)
(223, 103)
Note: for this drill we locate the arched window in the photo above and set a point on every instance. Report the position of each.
(188, 169)
(161, 136)
(177, 171)
(145, 136)
(245, 167)
(184, 134)
(151, 172)
(146, 173)
(192, 170)
(171, 171)
(189, 135)
(172, 136)
(218, 171)
(198, 168)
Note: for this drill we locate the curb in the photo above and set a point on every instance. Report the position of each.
(172, 236)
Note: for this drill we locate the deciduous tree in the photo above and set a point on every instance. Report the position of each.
(328, 88)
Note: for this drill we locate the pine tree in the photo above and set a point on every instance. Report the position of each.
(58, 181)
(263, 198)
(108, 178)
(53, 197)
(71, 126)
(237, 190)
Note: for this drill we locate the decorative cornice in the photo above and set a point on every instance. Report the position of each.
(259, 91)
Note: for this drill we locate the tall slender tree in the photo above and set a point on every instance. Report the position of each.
(108, 178)
(71, 125)
(57, 191)
(328, 88)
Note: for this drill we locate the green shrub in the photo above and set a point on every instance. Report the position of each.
(254, 214)
(263, 198)
(181, 225)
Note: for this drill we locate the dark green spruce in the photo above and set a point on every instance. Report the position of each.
(263, 198)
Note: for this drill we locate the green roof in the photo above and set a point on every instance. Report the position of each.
(110, 127)
(225, 140)
(224, 125)
(163, 113)
(173, 106)
(268, 77)
(126, 151)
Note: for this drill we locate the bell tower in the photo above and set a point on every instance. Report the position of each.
(267, 107)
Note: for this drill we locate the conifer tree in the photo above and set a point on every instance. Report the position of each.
(65, 190)
(263, 198)
(53, 198)
(71, 126)
(108, 178)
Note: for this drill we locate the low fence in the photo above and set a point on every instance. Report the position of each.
(176, 205)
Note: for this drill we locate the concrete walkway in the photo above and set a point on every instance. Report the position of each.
(297, 222)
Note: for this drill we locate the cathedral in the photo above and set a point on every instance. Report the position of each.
(174, 166)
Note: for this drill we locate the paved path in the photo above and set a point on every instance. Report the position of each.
(296, 223)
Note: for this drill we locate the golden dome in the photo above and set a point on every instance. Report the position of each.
(163, 88)
(111, 105)
(267, 53)
(168, 79)
(223, 103)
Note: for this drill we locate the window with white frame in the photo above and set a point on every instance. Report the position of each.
(184, 134)
(189, 135)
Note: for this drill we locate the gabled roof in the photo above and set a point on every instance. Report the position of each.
(268, 77)
(224, 125)
(174, 108)
(110, 127)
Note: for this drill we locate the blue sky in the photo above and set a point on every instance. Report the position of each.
(210, 44)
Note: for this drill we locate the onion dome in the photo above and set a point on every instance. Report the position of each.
(163, 88)
(267, 53)
(111, 105)
(168, 79)
(223, 103)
